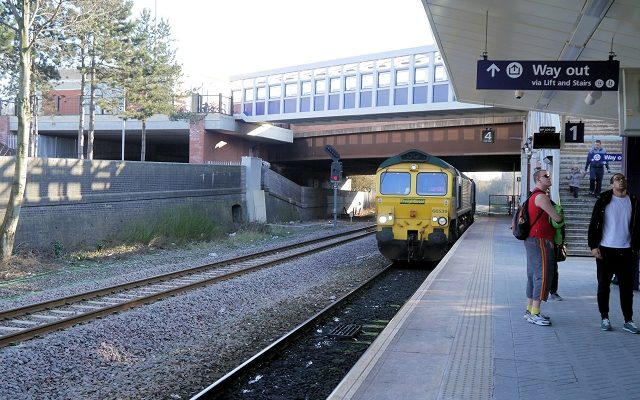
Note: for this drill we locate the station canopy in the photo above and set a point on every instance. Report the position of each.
(554, 30)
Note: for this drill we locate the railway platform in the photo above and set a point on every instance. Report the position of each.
(463, 336)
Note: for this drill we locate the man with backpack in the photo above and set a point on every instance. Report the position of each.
(540, 249)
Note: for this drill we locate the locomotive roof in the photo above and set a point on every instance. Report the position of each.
(418, 156)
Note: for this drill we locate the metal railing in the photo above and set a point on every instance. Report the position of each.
(502, 204)
(210, 104)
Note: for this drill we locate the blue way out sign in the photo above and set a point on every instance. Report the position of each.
(551, 75)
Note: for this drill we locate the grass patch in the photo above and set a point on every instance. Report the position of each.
(179, 226)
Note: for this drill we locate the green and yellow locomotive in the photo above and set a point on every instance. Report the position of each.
(423, 204)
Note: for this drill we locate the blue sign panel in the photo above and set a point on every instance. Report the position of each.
(612, 157)
(548, 75)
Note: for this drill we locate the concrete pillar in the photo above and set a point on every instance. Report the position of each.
(256, 205)
(196, 142)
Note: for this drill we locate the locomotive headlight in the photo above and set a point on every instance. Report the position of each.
(442, 221)
(386, 219)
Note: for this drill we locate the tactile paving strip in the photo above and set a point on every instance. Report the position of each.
(469, 374)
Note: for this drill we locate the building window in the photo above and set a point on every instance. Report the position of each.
(274, 107)
(384, 79)
(306, 88)
(365, 99)
(366, 66)
(305, 104)
(349, 100)
(275, 92)
(335, 71)
(440, 93)
(274, 79)
(403, 61)
(291, 90)
(420, 95)
(383, 64)
(349, 83)
(421, 59)
(318, 103)
(382, 98)
(289, 105)
(261, 93)
(367, 81)
(334, 85)
(402, 77)
(401, 96)
(321, 86)
(440, 73)
(334, 102)
(421, 75)
(260, 108)
(248, 94)
(350, 69)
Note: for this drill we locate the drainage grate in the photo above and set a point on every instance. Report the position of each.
(345, 331)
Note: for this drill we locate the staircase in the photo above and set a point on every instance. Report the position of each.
(578, 211)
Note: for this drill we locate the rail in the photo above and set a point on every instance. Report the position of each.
(32, 320)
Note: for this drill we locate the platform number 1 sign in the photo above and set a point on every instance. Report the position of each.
(488, 135)
(574, 132)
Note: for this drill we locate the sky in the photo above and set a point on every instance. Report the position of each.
(216, 39)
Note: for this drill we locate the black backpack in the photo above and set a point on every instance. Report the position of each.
(520, 225)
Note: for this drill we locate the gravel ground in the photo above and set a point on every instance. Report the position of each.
(173, 348)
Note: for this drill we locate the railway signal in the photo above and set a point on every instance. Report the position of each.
(336, 171)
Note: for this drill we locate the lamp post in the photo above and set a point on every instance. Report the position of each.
(124, 122)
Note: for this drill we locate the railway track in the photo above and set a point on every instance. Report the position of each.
(312, 359)
(216, 389)
(24, 323)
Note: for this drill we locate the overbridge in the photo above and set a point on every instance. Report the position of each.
(369, 107)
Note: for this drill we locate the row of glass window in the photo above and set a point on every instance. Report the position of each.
(421, 75)
(401, 62)
(322, 102)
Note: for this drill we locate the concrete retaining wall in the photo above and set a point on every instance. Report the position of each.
(79, 203)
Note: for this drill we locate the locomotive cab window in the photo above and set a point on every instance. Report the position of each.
(431, 184)
(395, 183)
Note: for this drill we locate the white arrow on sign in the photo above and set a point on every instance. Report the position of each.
(493, 69)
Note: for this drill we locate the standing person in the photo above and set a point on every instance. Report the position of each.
(540, 248)
(574, 177)
(614, 240)
(596, 164)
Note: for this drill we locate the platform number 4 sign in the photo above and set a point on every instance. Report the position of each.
(488, 135)
(574, 132)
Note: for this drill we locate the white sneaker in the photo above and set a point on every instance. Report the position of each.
(527, 314)
(537, 319)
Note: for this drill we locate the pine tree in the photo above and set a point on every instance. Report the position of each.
(151, 73)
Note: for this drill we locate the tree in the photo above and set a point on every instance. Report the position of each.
(100, 47)
(29, 20)
(151, 73)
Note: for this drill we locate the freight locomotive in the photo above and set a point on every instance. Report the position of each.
(423, 204)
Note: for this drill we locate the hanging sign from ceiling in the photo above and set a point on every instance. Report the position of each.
(548, 75)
